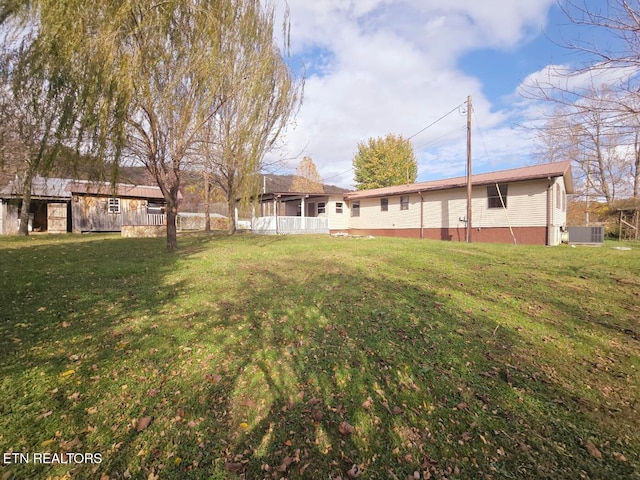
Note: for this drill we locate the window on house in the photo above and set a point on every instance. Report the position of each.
(384, 204)
(338, 207)
(321, 208)
(558, 199)
(155, 208)
(355, 209)
(564, 201)
(493, 194)
(113, 205)
(404, 202)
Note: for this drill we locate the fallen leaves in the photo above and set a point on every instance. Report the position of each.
(345, 428)
(591, 448)
(354, 471)
(143, 423)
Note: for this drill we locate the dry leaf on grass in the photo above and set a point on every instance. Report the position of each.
(354, 471)
(345, 429)
(591, 448)
(143, 423)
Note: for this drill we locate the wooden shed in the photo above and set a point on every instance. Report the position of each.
(61, 205)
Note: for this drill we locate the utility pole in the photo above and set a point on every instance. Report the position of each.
(469, 107)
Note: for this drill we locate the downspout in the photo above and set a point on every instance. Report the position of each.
(421, 216)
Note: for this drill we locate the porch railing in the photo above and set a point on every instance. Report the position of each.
(141, 217)
(290, 225)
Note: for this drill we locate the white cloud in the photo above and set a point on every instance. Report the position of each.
(389, 66)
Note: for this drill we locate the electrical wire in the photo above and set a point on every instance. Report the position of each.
(436, 121)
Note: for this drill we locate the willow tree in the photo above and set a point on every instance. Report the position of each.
(38, 105)
(261, 95)
(160, 75)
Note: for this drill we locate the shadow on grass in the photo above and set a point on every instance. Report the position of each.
(301, 366)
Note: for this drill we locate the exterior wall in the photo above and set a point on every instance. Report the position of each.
(3, 215)
(337, 221)
(144, 231)
(8, 218)
(443, 213)
(524, 235)
(372, 217)
(90, 213)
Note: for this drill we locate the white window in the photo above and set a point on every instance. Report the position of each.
(404, 202)
(355, 209)
(113, 206)
(338, 207)
(321, 207)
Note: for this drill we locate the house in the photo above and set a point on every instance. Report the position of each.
(525, 205)
(63, 205)
(288, 212)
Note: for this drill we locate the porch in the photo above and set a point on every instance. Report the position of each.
(289, 225)
(291, 213)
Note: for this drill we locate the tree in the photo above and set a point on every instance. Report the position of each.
(383, 162)
(38, 109)
(157, 75)
(601, 96)
(601, 146)
(307, 178)
(261, 95)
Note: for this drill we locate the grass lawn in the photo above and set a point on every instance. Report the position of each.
(317, 357)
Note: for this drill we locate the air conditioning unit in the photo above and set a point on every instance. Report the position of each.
(586, 235)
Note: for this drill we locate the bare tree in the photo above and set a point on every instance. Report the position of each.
(599, 99)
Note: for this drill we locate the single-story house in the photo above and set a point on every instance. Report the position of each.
(61, 205)
(525, 205)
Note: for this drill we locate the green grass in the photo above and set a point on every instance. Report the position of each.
(252, 357)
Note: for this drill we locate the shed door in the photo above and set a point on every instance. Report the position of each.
(57, 218)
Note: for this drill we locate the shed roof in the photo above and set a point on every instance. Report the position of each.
(118, 190)
(41, 188)
(546, 170)
(63, 188)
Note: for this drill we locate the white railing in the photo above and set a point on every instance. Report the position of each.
(290, 225)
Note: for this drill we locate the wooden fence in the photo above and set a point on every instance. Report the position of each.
(141, 217)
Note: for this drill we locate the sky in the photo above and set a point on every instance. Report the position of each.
(374, 67)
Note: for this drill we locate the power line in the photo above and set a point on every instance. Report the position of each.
(436, 121)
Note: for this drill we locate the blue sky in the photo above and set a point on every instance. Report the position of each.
(395, 66)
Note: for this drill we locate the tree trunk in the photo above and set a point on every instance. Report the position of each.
(207, 199)
(26, 205)
(172, 214)
(636, 170)
(232, 215)
(231, 203)
(172, 234)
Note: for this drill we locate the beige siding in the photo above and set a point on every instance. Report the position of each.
(526, 207)
(337, 221)
(371, 215)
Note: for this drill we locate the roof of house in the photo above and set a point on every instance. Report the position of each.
(63, 188)
(296, 195)
(546, 170)
(41, 188)
(119, 190)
